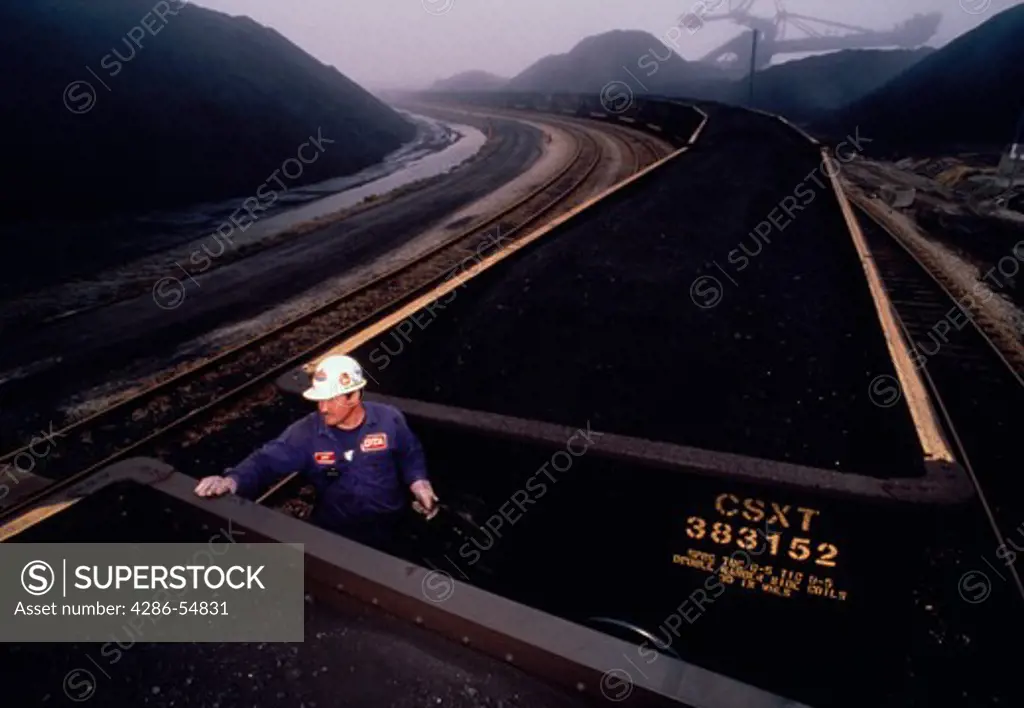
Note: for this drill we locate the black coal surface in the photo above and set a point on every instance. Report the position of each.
(662, 314)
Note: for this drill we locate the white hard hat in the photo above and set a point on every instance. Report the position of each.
(335, 376)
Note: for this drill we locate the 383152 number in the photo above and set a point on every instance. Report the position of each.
(722, 533)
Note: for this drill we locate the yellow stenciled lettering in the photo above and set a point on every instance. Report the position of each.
(785, 518)
(828, 552)
(791, 575)
(753, 510)
(720, 504)
(799, 549)
(695, 528)
(805, 523)
(721, 533)
(779, 515)
(747, 539)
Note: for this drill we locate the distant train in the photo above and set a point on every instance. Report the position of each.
(671, 118)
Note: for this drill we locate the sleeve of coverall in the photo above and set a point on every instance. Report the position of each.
(412, 463)
(279, 457)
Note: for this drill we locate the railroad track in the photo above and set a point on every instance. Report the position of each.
(653, 146)
(641, 149)
(645, 150)
(213, 386)
(979, 391)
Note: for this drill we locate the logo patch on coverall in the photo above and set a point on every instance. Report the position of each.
(374, 442)
(324, 458)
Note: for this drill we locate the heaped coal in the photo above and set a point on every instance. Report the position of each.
(718, 304)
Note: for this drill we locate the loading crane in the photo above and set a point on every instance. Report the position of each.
(819, 34)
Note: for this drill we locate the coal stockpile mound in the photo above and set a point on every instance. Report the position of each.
(805, 89)
(662, 315)
(964, 96)
(129, 105)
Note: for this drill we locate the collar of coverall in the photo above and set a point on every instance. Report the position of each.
(370, 419)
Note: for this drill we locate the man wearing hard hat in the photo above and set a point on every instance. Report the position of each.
(360, 456)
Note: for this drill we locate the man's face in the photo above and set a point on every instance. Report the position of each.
(338, 408)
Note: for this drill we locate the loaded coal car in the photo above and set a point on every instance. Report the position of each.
(655, 110)
(590, 106)
(744, 484)
(565, 103)
(523, 100)
(372, 627)
(677, 119)
(545, 102)
(623, 106)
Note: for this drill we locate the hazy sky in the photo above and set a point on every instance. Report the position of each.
(410, 43)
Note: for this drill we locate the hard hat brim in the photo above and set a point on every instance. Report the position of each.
(326, 393)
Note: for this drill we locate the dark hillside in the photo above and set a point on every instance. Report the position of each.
(470, 81)
(188, 105)
(807, 88)
(967, 95)
(639, 59)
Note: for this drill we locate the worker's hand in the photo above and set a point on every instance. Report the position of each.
(426, 500)
(216, 486)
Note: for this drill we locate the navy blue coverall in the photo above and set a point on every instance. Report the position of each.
(361, 476)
